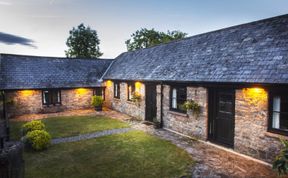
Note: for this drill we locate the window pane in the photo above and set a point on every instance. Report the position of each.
(46, 97)
(115, 89)
(276, 103)
(276, 113)
(129, 92)
(182, 96)
(51, 97)
(174, 98)
(284, 121)
(58, 97)
(54, 97)
(284, 104)
(98, 91)
(276, 120)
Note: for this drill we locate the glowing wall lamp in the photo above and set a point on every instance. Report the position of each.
(255, 95)
(109, 83)
(25, 93)
(138, 87)
(81, 91)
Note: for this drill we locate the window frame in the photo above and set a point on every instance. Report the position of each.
(116, 94)
(271, 96)
(128, 91)
(177, 87)
(102, 92)
(53, 91)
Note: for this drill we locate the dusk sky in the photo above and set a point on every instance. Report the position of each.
(41, 27)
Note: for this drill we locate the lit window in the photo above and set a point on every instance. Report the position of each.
(51, 97)
(178, 96)
(278, 112)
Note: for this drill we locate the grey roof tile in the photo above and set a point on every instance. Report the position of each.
(256, 52)
(20, 72)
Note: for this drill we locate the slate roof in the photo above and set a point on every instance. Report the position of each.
(256, 52)
(33, 72)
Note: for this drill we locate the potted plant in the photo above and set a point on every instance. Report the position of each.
(97, 102)
(136, 97)
(192, 106)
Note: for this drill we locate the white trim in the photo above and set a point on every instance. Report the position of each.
(223, 148)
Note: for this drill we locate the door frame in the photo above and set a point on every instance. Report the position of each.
(212, 112)
(154, 90)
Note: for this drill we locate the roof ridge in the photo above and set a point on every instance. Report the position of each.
(210, 32)
(52, 58)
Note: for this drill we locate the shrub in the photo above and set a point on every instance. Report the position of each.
(96, 101)
(192, 105)
(31, 126)
(37, 140)
(281, 162)
(136, 97)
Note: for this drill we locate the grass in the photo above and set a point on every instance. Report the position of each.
(71, 125)
(132, 154)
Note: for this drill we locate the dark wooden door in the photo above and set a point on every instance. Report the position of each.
(222, 116)
(151, 109)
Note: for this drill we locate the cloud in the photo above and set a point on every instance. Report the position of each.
(13, 40)
(3, 3)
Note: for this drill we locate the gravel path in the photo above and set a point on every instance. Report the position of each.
(89, 135)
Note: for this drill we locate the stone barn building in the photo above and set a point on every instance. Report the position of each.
(237, 77)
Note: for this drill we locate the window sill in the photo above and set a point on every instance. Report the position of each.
(50, 105)
(275, 135)
(116, 99)
(178, 113)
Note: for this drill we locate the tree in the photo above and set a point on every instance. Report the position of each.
(83, 42)
(145, 38)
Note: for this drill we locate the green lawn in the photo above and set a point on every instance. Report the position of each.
(133, 154)
(71, 125)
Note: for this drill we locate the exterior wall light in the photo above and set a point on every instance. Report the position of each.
(255, 96)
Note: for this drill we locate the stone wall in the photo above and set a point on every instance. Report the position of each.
(188, 124)
(76, 98)
(23, 102)
(251, 119)
(136, 110)
(30, 101)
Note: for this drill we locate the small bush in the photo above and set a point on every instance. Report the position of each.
(97, 101)
(280, 164)
(31, 126)
(37, 140)
(136, 97)
(192, 105)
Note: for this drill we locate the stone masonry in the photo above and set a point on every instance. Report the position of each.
(187, 124)
(251, 136)
(23, 102)
(30, 101)
(136, 110)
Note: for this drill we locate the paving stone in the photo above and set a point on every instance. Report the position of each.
(89, 136)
